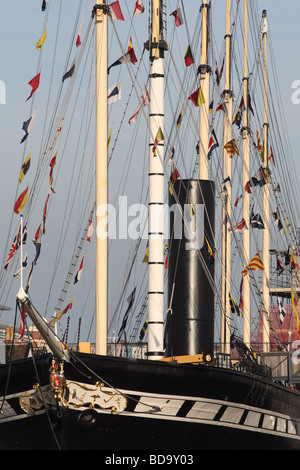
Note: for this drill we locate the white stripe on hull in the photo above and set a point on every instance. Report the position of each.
(202, 411)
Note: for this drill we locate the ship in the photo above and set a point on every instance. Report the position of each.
(186, 391)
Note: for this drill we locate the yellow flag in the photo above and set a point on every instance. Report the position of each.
(146, 257)
(159, 137)
(42, 40)
(286, 227)
(109, 137)
(21, 201)
(197, 97)
(191, 208)
(295, 305)
(58, 317)
(231, 148)
(200, 99)
(25, 168)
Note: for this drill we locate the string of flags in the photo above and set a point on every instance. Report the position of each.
(260, 178)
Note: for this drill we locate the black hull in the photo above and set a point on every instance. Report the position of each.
(169, 407)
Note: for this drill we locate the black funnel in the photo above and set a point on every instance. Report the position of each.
(190, 325)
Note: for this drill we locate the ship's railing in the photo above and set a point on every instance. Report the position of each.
(281, 366)
(134, 351)
(285, 366)
(257, 368)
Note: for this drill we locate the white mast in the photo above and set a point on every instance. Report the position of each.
(156, 188)
(266, 235)
(246, 198)
(226, 238)
(101, 178)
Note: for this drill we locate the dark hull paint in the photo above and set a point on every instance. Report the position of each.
(214, 409)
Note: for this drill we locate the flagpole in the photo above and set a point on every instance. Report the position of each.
(266, 235)
(226, 238)
(246, 198)
(101, 179)
(156, 187)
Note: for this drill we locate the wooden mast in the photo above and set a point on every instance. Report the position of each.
(204, 108)
(101, 178)
(246, 197)
(266, 195)
(226, 216)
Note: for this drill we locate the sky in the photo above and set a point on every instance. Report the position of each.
(22, 25)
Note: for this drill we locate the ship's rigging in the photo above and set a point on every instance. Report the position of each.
(183, 138)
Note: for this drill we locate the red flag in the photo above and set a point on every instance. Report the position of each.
(294, 265)
(271, 156)
(255, 264)
(58, 317)
(197, 97)
(178, 17)
(188, 58)
(90, 231)
(139, 8)
(115, 11)
(51, 164)
(45, 213)
(175, 173)
(78, 275)
(295, 305)
(231, 148)
(34, 83)
(22, 324)
(21, 201)
(130, 49)
(78, 40)
(237, 200)
(247, 188)
(221, 107)
(240, 226)
(241, 304)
